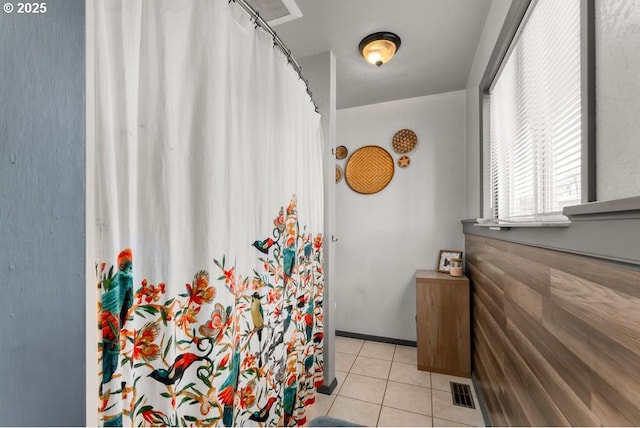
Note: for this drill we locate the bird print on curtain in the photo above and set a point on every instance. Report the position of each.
(229, 350)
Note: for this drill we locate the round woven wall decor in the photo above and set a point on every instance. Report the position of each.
(404, 141)
(341, 152)
(338, 174)
(404, 161)
(369, 170)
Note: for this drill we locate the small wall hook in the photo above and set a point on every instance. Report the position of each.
(334, 239)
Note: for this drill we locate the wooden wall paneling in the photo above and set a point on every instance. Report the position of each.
(514, 416)
(535, 400)
(609, 274)
(612, 406)
(489, 355)
(556, 336)
(535, 275)
(492, 329)
(493, 255)
(494, 309)
(503, 246)
(494, 406)
(528, 299)
(492, 352)
(495, 293)
(490, 362)
(487, 350)
(616, 365)
(611, 403)
(570, 330)
(600, 307)
(540, 399)
(488, 365)
(490, 270)
(557, 390)
(522, 395)
(571, 369)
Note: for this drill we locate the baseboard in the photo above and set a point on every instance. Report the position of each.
(376, 338)
(481, 402)
(328, 389)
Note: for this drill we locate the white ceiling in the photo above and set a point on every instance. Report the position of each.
(439, 39)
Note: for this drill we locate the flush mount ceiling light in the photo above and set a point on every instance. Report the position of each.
(379, 48)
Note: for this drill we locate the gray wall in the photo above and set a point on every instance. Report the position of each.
(320, 71)
(492, 26)
(617, 100)
(42, 201)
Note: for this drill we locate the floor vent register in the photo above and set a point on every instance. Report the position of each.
(461, 395)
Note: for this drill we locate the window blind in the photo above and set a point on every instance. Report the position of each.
(535, 117)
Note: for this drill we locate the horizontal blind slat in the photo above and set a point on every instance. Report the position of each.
(534, 124)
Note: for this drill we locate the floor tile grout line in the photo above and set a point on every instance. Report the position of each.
(357, 399)
(388, 379)
(380, 411)
(374, 358)
(411, 384)
(373, 377)
(331, 406)
(413, 413)
(384, 394)
(408, 411)
(365, 401)
(433, 422)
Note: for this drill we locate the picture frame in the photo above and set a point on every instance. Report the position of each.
(444, 259)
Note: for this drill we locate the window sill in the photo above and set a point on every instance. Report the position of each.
(615, 209)
(531, 224)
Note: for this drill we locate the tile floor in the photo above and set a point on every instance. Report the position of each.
(379, 385)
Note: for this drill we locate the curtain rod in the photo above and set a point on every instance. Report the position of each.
(277, 41)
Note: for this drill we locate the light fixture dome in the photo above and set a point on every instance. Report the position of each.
(379, 48)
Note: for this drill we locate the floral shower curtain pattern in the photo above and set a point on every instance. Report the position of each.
(208, 219)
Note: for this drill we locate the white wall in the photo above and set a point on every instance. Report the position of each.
(385, 237)
(617, 99)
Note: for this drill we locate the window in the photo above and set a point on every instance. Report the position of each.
(532, 116)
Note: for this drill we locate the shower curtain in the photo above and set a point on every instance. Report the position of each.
(209, 219)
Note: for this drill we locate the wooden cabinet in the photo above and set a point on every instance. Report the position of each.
(442, 308)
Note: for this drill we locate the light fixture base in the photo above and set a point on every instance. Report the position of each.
(378, 48)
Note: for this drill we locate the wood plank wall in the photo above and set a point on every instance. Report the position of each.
(556, 336)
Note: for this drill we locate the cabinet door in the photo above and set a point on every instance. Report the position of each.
(443, 327)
